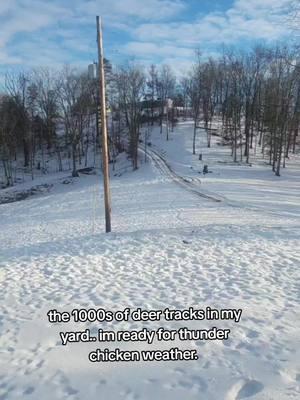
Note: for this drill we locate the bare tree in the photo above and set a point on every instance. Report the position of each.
(131, 83)
(165, 88)
(194, 93)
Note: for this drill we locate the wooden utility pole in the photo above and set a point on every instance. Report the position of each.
(101, 76)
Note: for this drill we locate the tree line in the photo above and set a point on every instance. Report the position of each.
(255, 96)
(250, 99)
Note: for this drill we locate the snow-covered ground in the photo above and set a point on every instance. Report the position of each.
(169, 248)
(254, 185)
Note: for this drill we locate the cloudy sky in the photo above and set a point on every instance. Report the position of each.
(51, 33)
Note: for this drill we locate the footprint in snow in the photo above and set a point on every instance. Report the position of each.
(252, 334)
(244, 389)
(249, 389)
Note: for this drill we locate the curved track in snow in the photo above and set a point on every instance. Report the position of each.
(165, 169)
(192, 185)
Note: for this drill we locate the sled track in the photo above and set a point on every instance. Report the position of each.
(192, 185)
(167, 171)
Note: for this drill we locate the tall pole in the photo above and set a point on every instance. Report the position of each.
(104, 127)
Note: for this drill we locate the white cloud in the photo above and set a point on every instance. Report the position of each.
(71, 20)
(251, 19)
(176, 41)
(151, 24)
(258, 7)
(122, 9)
(28, 16)
(6, 59)
(148, 49)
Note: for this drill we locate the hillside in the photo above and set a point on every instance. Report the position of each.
(229, 239)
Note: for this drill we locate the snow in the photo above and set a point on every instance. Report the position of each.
(169, 248)
(254, 185)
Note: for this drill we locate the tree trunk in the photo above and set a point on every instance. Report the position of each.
(194, 137)
(74, 171)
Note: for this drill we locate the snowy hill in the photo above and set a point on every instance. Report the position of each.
(170, 247)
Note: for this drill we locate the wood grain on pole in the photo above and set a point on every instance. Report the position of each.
(107, 201)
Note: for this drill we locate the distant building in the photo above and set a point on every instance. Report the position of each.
(92, 70)
(155, 106)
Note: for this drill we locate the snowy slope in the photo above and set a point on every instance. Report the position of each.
(253, 185)
(169, 248)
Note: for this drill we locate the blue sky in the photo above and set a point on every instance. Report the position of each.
(52, 33)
